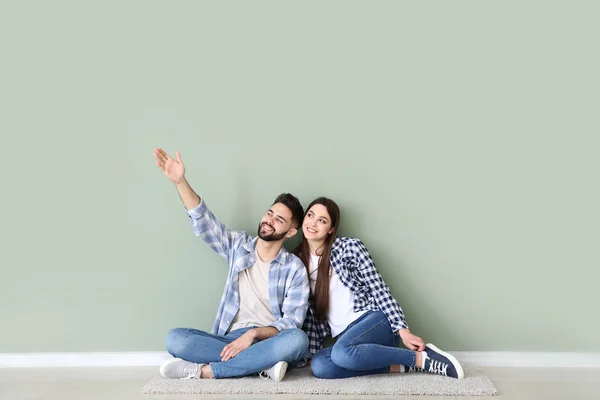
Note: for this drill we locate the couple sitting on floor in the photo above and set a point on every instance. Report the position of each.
(278, 307)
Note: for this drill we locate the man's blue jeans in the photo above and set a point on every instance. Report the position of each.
(367, 346)
(289, 345)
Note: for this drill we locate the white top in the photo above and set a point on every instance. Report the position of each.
(341, 299)
(255, 308)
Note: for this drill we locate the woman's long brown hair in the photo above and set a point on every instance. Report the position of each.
(321, 296)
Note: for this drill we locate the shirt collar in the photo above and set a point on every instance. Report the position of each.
(282, 256)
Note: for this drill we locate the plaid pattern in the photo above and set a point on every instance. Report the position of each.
(354, 265)
(288, 282)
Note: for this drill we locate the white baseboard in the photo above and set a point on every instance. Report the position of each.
(124, 359)
(155, 358)
(529, 359)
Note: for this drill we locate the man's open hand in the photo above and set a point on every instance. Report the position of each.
(172, 168)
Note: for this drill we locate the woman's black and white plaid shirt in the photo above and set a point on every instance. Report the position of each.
(356, 270)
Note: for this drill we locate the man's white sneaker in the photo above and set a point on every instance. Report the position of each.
(276, 372)
(176, 368)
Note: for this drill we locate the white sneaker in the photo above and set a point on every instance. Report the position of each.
(176, 368)
(276, 372)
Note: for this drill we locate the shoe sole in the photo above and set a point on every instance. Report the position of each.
(459, 370)
(281, 372)
(166, 364)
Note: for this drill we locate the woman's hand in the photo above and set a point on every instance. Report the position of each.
(412, 342)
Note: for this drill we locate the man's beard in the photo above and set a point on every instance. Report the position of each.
(270, 237)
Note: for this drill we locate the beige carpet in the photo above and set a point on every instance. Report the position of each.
(302, 381)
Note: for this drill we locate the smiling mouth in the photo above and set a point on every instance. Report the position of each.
(311, 230)
(267, 228)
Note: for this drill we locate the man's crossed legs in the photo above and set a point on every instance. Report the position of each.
(193, 349)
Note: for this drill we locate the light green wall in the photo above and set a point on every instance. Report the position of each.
(459, 138)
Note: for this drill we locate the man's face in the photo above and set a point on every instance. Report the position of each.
(276, 224)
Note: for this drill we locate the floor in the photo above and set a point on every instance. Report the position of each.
(125, 384)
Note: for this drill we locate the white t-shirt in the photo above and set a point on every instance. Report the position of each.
(255, 307)
(341, 299)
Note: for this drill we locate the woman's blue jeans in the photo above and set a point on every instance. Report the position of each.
(367, 346)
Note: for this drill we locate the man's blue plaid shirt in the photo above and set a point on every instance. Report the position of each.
(288, 281)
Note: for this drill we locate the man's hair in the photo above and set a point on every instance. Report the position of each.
(292, 202)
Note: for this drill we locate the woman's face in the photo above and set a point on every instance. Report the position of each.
(317, 223)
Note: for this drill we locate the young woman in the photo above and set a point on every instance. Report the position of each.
(349, 300)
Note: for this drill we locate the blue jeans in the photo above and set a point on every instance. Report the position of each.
(367, 346)
(197, 346)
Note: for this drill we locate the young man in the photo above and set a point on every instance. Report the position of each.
(259, 321)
